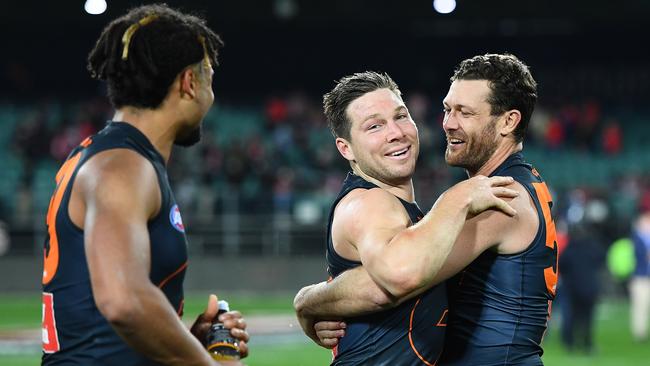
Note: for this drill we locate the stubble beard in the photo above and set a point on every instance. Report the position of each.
(190, 138)
(387, 174)
(477, 151)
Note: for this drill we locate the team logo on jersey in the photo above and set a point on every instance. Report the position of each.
(175, 219)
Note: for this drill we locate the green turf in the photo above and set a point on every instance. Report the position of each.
(248, 304)
(298, 354)
(613, 340)
(19, 311)
(22, 360)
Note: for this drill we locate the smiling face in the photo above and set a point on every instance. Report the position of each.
(470, 127)
(383, 140)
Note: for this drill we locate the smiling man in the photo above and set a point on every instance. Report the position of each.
(500, 301)
(376, 223)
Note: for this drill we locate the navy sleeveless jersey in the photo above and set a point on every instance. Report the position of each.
(500, 304)
(411, 334)
(74, 331)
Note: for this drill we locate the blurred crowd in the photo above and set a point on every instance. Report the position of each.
(278, 156)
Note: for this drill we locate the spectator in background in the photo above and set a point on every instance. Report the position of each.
(612, 141)
(554, 134)
(580, 266)
(30, 140)
(640, 282)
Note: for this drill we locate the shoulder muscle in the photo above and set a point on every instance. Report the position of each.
(122, 181)
(367, 218)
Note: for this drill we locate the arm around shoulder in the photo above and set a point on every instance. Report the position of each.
(413, 255)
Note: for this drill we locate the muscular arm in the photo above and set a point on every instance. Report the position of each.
(354, 292)
(120, 192)
(399, 261)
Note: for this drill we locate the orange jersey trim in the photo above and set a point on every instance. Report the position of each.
(411, 337)
(545, 201)
(179, 270)
(51, 259)
(443, 319)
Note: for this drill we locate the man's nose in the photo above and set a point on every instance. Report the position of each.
(450, 122)
(395, 131)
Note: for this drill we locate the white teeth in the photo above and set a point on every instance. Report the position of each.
(455, 141)
(399, 152)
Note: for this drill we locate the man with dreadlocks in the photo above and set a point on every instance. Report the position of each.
(116, 252)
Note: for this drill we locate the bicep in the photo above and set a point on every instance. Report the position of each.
(117, 249)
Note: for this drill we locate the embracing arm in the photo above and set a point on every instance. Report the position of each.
(352, 293)
(355, 292)
(120, 192)
(413, 258)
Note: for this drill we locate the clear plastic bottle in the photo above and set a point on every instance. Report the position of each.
(219, 342)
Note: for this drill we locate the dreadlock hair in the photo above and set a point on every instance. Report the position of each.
(347, 89)
(140, 53)
(511, 85)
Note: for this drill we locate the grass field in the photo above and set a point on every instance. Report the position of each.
(614, 343)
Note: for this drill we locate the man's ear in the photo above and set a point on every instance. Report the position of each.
(188, 82)
(511, 121)
(345, 148)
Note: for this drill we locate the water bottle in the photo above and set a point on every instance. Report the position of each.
(219, 342)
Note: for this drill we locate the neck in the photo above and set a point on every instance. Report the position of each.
(402, 190)
(498, 157)
(154, 124)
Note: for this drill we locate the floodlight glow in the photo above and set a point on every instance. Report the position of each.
(444, 6)
(95, 7)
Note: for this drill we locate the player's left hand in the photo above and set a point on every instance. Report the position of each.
(329, 332)
(232, 320)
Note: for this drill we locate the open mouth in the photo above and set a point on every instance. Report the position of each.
(399, 153)
(455, 141)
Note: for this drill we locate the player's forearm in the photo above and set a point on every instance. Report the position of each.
(414, 257)
(150, 326)
(352, 293)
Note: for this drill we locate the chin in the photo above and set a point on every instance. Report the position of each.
(449, 159)
(401, 175)
(454, 162)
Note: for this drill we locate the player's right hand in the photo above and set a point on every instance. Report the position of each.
(232, 320)
(329, 332)
(489, 193)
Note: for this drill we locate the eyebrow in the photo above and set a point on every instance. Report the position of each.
(375, 115)
(459, 106)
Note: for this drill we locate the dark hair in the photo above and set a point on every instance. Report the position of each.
(347, 90)
(157, 51)
(511, 84)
